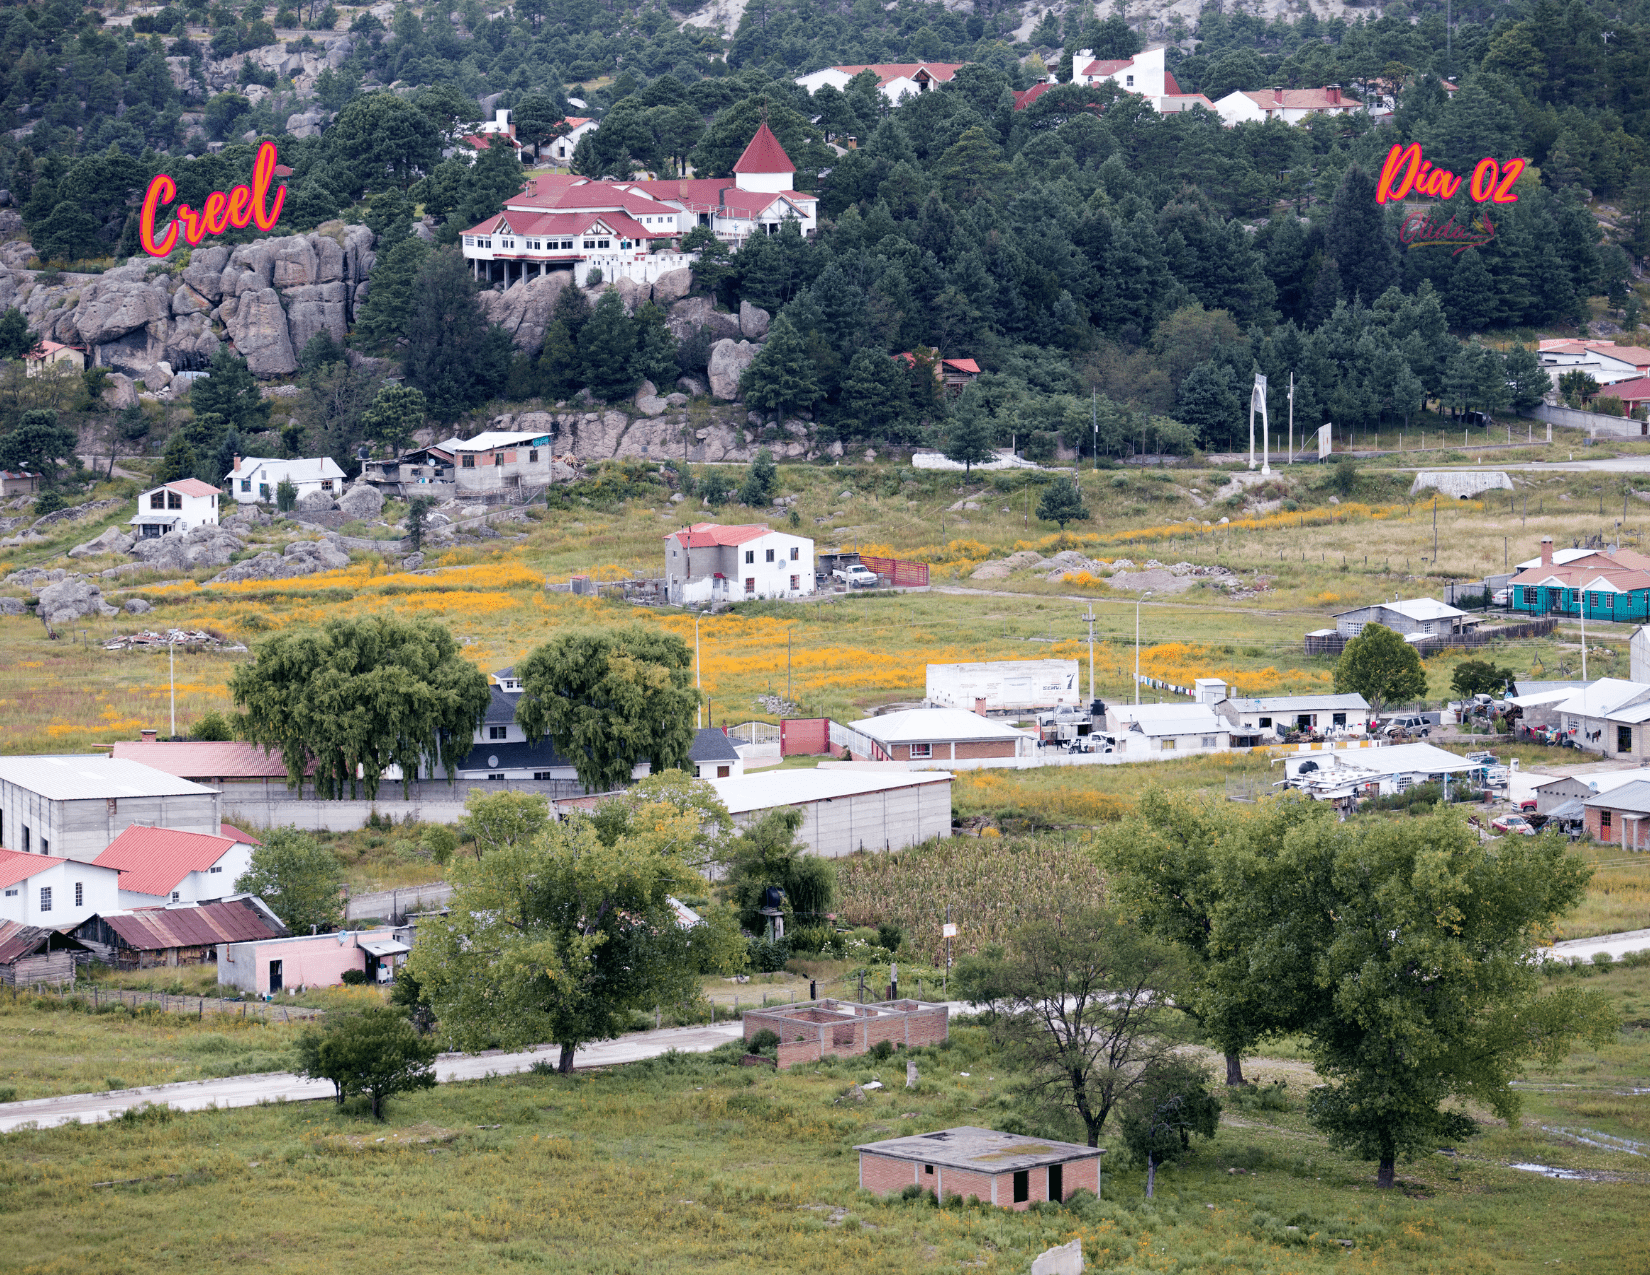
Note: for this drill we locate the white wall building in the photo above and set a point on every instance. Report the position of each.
(254, 479)
(176, 507)
(496, 460)
(1144, 73)
(895, 80)
(1292, 106)
(1162, 730)
(1605, 361)
(1005, 685)
(75, 805)
(163, 865)
(53, 892)
(1373, 772)
(845, 811)
(709, 563)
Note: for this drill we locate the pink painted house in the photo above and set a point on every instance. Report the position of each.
(265, 967)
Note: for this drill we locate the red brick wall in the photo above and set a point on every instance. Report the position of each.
(1592, 823)
(986, 748)
(881, 1174)
(1083, 1175)
(965, 1183)
(792, 1052)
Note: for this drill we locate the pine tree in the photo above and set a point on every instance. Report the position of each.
(230, 392)
(972, 435)
(390, 304)
(757, 489)
(178, 462)
(16, 339)
(873, 392)
(1528, 380)
(1062, 502)
(1472, 303)
(607, 344)
(782, 378)
(454, 356)
(559, 368)
(1357, 238)
(655, 357)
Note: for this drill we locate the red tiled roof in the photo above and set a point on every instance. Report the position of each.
(886, 71)
(749, 203)
(1028, 96)
(1299, 99)
(764, 154)
(962, 365)
(571, 223)
(1171, 86)
(193, 487)
(481, 141)
(153, 929)
(1111, 66)
(709, 535)
(235, 834)
(192, 759)
(1635, 391)
(154, 860)
(591, 196)
(1625, 570)
(541, 184)
(16, 866)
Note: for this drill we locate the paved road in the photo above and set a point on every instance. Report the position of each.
(1618, 945)
(249, 1091)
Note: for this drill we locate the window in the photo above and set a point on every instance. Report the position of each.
(246, 484)
(770, 555)
(542, 774)
(487, 242)
(750, 555)
(498, 459)
(1624, 739)
(11, 894)
(173, 500)
(722, 772)
(928, 1170)
(25, 840)
(1056, 1181)
(174, 896)
(604, 243)
(1167, 746)
(469, 462)
(263, 491)
(1265, 722)
(1208, 741)
(80, 894)
(589, 243)
(1128, 81)
(1022, 1186)
(796, 582)
(533, 456)
(750, 584)
(796, 554)
(45, 846)
(921, 750)
(1532, 596)
(1593, 600)
(45, 898)
(1338, 719)
(498, 732)
(112, 804)
(1604, 819)
(157, 500)
(216, 867)
(498, 776)
(469, 241)
(326, 484)
(624, 243)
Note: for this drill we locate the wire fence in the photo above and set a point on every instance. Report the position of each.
(168, 1003)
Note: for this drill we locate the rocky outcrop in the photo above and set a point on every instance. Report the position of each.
(728, 361)
(201, 547)
(689, 315)
(753, 321)
(524, 309)
(672, 286)
(316, 501)
(269, 297)
(12, 606)
(69, 600)
(362, 501)
(114, 540)
(613, 434)
(137, 606)
(301, 558)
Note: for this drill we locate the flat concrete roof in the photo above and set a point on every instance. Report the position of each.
(797, 787)
(981, 1150)
(94, 777)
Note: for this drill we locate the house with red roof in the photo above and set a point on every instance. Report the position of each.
(50, 354)
(18, 482)
(164, 865)
(954, 374)
(176, 507)
(1144, 73)
(626, 228)
(1292, 106)
(895, 80)
(1605, 361)
(45, 890)
(710, 563)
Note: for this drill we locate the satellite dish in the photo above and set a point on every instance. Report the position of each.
(493, 760)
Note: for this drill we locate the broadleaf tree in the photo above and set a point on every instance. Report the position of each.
(358, 696)
(299, 878)
(1379, 665)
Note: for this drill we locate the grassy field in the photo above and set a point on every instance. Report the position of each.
(693, 1163)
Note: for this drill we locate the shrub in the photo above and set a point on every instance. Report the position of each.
(882, 1051)
(769, 958)
(889, 936)
(354, 978)
(764, 1042)
(1604, 960)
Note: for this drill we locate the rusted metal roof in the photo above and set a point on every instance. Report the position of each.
(18, 940)
(152, 929)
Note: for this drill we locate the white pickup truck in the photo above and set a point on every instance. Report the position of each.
(856, 576)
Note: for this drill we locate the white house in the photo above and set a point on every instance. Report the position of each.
(1144, 73)
(496, 460)
(895, 80)
(1610, 715)
(47, 891)
(164, 865)
(713, 755)
(941, 738)
(1266, 719)
(254, 479)
(1143, 730)
(1292, 106)
(561, 150)
(709, 563)
(1605, 361)
(1424, 617)
(180, 506)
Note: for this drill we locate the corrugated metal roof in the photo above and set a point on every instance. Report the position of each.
(202, 759)
(236, 834)
(152, 929)
(1634, 797)
(16, 866)
(18, 940)
(154, 860)
(795, 787)
(93, 777)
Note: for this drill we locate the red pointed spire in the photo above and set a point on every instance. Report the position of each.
(764, 154)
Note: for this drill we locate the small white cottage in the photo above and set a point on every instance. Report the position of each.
(180, 506)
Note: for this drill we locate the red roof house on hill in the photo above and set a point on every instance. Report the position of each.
(163, 865)
(708, 563)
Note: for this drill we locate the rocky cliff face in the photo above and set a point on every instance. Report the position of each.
(266, 299)
(726, 434)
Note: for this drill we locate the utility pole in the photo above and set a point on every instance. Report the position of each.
(698, 679)
(1094, 424)
(1435, 531)
(1291, 418)
(788, 633)
(1089, 620)
(1137, 602)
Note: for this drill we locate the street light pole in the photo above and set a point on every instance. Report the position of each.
(172, 677)
(1089, 620)
(698, 680)
(1137, 602)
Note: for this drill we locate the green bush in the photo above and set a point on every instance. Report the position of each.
(355, 978)
(765, 1042)
(889, 936)
(769, 958)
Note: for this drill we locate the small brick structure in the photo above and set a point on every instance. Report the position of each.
(1005, 1169)
(809, 1031)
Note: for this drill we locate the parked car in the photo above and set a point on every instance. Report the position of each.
(1408, 726)
(1501, 598)
(1513, 823)
(1482, 759)
(1527, 805)
(856, 576)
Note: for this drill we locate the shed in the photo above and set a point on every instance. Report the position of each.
(74, 805)
(270, 964)
(30, 954)
(1620, 816)
(713, 755)
(1412, 617)
(844, 810)
(1006, 1169)
(940, 736)
(177, 933)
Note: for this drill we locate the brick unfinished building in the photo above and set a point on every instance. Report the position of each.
(1002, 1168)
(809, 1031)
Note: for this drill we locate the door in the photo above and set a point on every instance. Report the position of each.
(274, 976)
(1056, 1182)
(1624, 739)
